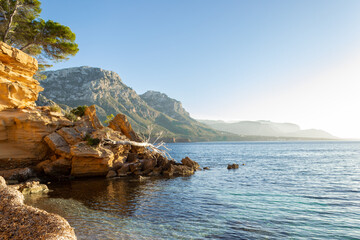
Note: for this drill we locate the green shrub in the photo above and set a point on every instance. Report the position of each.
(72, 117)
(55, 108)
(109, 118)
(94, 142)
(79, 111)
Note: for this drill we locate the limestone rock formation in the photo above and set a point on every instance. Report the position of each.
(22, 132)
(81, 150)
(17, 86)
(19, 221)
(121, 124)
(22, 126)
(46, 143)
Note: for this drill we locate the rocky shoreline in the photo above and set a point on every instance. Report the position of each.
(45, 143)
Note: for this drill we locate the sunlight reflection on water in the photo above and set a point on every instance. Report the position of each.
(296, 190)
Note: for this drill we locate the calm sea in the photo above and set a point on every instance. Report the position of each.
(285, 190)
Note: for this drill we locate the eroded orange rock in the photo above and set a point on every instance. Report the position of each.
(21, 135)
(17, 87)
(121, 124)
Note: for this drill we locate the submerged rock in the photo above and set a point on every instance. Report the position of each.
(31, 187)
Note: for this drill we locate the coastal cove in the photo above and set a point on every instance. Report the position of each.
(296, 190)
(177, 120)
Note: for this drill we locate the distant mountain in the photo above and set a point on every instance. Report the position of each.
(87, 86)
(169, 106)
(267, 129)
(72, 87)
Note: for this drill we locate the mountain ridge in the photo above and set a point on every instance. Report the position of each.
(267, 128)
(105, 89)
(71, 87)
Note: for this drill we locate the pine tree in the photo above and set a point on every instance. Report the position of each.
(22, 27)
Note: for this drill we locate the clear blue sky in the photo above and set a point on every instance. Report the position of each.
(286, 61)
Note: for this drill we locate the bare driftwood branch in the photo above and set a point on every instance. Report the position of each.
(159, 148)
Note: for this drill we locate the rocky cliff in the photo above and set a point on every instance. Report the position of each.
(105, 89)
(17, 86)
(22, 126)
(42, 141)
(169, 106)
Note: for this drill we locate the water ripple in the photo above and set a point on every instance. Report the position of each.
(285, 190)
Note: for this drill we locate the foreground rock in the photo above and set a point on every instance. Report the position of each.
(19, 221)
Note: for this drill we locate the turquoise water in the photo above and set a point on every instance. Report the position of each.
(285, 190)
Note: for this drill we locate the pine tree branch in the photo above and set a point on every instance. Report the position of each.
(3, 13)
(10, 21)
(26, 46)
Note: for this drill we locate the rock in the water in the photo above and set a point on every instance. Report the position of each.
(233, 166)
(59, 167)
(19, 221)
(182, 170)
(206, 168)
(31, 187)
(190, 163)
(149, 164)
(123, 171)
(19, 174)
(111, 174)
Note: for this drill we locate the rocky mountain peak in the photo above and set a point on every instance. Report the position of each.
(163, 103)
(84, 84)
(83, 73)
(72, 87)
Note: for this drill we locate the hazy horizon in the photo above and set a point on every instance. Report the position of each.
(282, 61)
